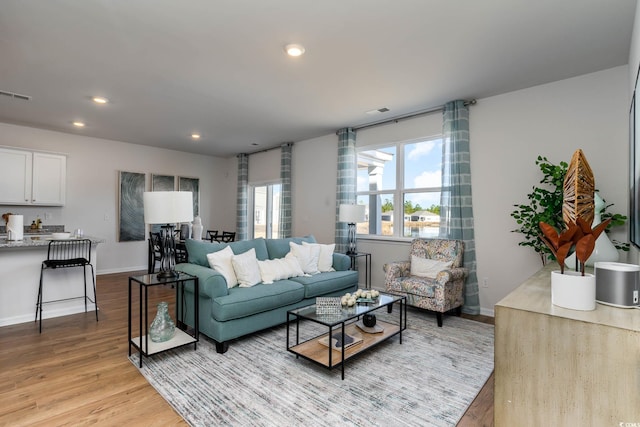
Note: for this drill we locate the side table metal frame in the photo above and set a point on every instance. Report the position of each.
(183, 337)
(367, 267)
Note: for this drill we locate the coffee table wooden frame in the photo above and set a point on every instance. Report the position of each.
(325, 356)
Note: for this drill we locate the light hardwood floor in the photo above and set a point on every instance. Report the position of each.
(77, 372)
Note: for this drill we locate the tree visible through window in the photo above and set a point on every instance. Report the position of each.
(400, 185)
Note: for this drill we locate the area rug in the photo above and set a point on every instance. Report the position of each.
(428, 380)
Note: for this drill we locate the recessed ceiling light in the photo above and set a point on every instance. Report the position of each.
(99, 99)
(78, 124)
(255, 144)
(294, 49)
(195, 136)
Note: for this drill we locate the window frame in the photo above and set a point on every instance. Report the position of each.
(269, 211)
(399, 191)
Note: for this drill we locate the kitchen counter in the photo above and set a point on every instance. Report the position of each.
(20, 264)
(36, 240)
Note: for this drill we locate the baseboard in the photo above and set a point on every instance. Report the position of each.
(121, 270)
(487, 312)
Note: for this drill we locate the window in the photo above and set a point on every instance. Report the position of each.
(400, 185)
(266, 210)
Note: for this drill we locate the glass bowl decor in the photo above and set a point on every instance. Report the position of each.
(162, 328)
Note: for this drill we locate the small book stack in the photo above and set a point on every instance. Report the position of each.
(336, 340)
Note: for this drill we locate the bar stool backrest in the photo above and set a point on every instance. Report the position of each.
(68, 253)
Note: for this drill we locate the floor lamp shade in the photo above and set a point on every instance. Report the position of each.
(167, 208)
(351, 214)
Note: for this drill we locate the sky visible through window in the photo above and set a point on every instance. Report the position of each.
(422, 169)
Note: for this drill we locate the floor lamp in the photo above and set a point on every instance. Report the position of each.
(351, 214)
(167, 208)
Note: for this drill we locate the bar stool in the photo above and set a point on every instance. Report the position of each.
(67, 254)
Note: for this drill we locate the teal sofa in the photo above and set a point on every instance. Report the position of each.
(226, 314)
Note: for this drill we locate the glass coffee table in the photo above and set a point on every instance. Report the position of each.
(349, 336)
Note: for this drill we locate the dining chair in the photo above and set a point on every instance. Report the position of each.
(155, 251)
(228, 236)
(213, 236)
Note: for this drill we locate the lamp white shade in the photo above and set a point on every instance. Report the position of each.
(167, 207)
(351, 213)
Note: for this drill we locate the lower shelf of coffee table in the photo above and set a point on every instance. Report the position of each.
(319, 353)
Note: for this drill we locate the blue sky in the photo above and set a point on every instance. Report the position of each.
(423, 162)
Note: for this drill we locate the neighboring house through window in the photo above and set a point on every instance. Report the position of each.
(400, 184)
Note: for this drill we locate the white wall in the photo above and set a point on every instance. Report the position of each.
(508, 132)
(92, 187)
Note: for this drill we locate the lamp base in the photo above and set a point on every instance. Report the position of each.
(169, 274)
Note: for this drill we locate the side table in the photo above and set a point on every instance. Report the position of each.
(184, 335)
(367, 266)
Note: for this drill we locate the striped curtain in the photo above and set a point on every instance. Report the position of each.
(456, 210)
(346, 184)
(284, 228)
(241, 202)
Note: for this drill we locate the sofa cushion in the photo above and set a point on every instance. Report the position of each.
(198, 249)
(278, 269)
(220, 261)
(245, 265)
(307, 257)
(413, 285)
(325, 259)
(242, 302)
(430, 268)
(279, 248)
(321, 284)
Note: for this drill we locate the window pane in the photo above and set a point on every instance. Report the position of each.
(275, 211)
(260, 212)
(377, 169)
(421, 214)
(423, 164)
(378, 214)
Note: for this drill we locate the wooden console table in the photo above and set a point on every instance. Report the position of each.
(560, 367)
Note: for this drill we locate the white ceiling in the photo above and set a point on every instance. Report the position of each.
(217, 67)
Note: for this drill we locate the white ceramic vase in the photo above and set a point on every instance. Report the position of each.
(604, 250)
(573, 290)
(196, 229)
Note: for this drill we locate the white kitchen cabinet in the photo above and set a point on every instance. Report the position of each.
(32, 178)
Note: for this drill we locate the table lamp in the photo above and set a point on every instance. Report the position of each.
(351, 214)
(167, 208)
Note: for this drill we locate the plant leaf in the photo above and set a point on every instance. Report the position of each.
(584, 248)
(600, 228)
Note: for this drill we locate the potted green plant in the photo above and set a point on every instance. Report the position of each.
(545, 205)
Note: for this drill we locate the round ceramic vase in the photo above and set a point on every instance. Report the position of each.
(573, 290)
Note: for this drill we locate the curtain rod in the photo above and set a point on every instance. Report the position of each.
(409, 116)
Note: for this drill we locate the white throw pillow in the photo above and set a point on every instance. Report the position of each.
(430, 268)
(307, 257)
(278, 269)
(221, 262)
(246, 268)
(325, 259)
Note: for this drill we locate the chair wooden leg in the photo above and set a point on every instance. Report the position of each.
(439, 319)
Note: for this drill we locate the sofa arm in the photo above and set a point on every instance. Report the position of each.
(212, 284)
(453, 274)
(341, 262)
(396, 269)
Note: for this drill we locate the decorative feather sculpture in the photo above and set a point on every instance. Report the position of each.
(578, 210)
(579, 188)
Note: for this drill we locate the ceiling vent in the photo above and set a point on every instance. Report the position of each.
(15, 95)
(378, 111)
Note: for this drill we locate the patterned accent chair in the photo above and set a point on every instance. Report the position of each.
(439, 290)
